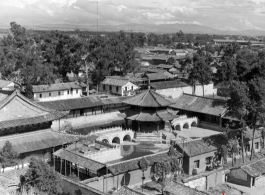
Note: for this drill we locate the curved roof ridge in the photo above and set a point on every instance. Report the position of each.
(146, 92)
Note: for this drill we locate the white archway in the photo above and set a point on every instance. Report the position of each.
(186, 126)
(116, 140)
(194, 124)
(105, 140)
(127, 138)
(178, 127)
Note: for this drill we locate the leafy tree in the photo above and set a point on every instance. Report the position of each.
(143, 164)
(171, 61)
(42, 177)
(224, 153)
(8, 156)
(201, 72)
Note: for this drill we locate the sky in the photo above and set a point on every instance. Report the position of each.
(235, 15)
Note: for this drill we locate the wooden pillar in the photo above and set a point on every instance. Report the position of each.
(139, 126)
(157, 126)
(78, 172)
(220, 121)
(54, 159)
(126, 123)
(61, 166)
(65, 173)
(70, 165)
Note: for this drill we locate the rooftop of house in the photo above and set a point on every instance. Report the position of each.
(124, 190)
(255, 169)
(168, 84)
(165, 66)
(180, 189)
(159, 76)
(17, 110)
(148, 98)
(57, 87)
(79, 160)
(197, 147)
(4, 83)
(80, 103)
(115, 80)
(200, 104)
(37, 140)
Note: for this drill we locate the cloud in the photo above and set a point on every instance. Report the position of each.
(219, 14)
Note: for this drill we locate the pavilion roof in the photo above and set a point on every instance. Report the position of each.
(148, 115)
(16, 110)
(148, 98)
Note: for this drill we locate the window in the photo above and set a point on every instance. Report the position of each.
(196, 164)
(104, 87)
(110, 87)
(40, 95)
(77, 91)
(117, 89)
(59, 93)
(248, 148)
(68, 92)
(50, 94)
(257, 145)
(132, 88)
(125, 88)
(208, 160)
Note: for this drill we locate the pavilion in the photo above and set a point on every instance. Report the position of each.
(148, 112)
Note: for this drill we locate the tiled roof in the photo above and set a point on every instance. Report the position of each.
(148, 98)
(4, 83)
(168, 84)
(57, 87)
(255, 169)
(16, 110)
(196, 147)
(116, 81)
(175, 188)
(158, 76)
(200, 104)
(79, 160)
(37, 140)
(147, 115)
(132, 164)
(115, 100)
(4, 94)
(124, 190)
(73, 103)
(155, 70)
(165, 66)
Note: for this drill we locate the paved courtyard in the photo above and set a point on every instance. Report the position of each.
(91, 121)
(196, 132)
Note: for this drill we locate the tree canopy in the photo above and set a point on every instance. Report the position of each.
(8, 156)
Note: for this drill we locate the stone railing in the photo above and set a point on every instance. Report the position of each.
(110, 129)
(106, 144)
(191, 119)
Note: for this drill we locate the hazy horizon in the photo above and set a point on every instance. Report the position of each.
(229, 15)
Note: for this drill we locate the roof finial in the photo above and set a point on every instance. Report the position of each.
(148, 86)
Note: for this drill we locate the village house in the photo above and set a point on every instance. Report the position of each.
(26, 125)
(210, 111)
(249, 175)
(8, 85)
(198, 156)
(175, 88)
(121, 86)
(58, 91)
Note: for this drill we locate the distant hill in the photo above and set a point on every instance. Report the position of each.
(161, 28)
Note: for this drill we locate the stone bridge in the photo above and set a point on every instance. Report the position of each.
(183, 122)
(114, 135)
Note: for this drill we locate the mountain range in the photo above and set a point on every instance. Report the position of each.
(160, 28)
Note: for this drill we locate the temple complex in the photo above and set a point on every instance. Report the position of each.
(148, 112)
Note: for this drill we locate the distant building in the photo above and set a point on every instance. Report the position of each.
(58, 91)
(175, 88)
(240, 42)
(121, 86)
(8, 85)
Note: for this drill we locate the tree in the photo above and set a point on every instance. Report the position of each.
(200, 72)
(171, 61)
(42, 177)
(143, 164)
(8, 156)
(224, 153)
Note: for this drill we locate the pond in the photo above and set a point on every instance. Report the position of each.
(129, 152)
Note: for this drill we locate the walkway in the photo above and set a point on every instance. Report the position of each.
(91, 121)
(251, 191)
